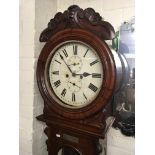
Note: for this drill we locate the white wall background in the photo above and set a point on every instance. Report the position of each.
(44, 11)
(34, 16)
(114, 11)
(26, 71)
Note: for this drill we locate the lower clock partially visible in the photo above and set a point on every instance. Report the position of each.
(74, 74)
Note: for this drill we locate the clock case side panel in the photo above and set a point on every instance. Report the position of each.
(109, 70)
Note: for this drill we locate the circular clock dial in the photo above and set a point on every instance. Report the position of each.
(75, 74)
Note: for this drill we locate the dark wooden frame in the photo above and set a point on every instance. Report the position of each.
(106, 57)
(88, 123)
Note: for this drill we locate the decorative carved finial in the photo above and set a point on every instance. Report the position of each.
(75, 17)
(73, 7)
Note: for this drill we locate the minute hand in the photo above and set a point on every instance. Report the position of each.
(65, 62)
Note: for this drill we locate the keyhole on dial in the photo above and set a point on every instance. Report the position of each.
(67, 75)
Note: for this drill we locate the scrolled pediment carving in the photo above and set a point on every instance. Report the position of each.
(76, 17)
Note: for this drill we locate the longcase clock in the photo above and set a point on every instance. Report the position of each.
(77, 75)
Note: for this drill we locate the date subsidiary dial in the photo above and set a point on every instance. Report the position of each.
(75, 74)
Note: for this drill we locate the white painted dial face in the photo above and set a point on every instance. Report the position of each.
(75, 74)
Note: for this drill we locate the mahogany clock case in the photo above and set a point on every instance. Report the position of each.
(106, 57)
(86, 26)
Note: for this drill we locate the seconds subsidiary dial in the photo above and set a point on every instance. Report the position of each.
(74, 74)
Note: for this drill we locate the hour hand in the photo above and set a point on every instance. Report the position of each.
(85, 74)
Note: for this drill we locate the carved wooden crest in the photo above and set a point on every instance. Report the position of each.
(75, 17)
